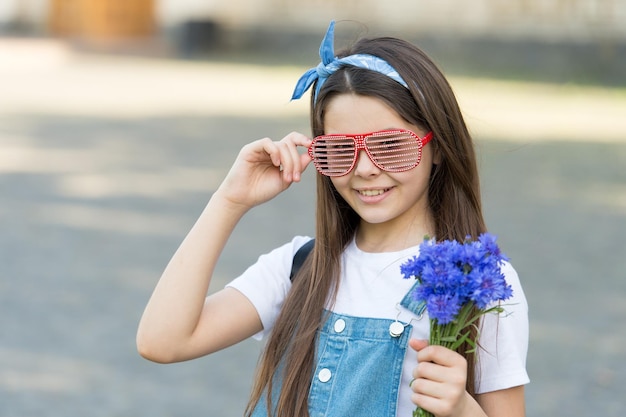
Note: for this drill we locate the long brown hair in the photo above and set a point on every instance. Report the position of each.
(454, 197)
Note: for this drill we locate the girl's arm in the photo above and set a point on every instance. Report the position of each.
(180, 322)
(439, 387)
(507, 402)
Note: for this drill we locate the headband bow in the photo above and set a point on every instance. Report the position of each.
(330, 63)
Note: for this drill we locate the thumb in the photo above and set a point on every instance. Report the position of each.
(305, 160)
(418, 344)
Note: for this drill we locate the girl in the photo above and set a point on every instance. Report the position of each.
(395, 162)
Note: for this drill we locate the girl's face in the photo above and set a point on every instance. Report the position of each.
(390, 204)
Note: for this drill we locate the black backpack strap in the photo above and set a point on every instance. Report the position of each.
(300, 257)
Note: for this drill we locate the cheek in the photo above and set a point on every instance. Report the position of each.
(418, 177)
(338, 183)
(341, 186)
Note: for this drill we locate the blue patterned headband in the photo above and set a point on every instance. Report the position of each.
(330, 63)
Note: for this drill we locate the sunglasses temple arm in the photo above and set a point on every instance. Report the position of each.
(427, 138)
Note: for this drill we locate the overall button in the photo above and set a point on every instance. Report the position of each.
(340, 325)
(324, 375)
(396, 329)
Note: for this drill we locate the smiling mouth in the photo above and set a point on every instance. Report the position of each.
(372, 193)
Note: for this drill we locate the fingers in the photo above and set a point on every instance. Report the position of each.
(297, 162)
(439, 364)
(441, 356)
(265, 168)
(439, 378)
(418, 344)
(284, 155)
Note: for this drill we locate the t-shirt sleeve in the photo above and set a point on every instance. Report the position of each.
(501, 361)
(266, 282)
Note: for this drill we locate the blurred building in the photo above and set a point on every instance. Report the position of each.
(555, 19)
(553, 40)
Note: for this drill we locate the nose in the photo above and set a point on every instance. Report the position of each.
(364, 167)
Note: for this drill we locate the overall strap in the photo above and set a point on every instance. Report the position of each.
(300, 257)
(410, 303)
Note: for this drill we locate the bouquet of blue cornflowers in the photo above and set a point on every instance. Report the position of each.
(459, 282)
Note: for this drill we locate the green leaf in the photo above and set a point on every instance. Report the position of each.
(448, 339)
(460, 341)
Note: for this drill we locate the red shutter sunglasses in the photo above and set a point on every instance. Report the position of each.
(390, 150)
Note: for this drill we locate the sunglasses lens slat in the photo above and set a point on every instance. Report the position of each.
(394, 151)
(334, 155)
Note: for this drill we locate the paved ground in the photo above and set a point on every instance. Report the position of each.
(106, 162)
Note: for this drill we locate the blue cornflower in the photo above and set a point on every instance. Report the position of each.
(453, 274)
(443, 307)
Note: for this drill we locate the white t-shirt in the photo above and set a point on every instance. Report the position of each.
(372, 286)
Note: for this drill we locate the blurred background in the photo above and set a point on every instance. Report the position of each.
(118, 118)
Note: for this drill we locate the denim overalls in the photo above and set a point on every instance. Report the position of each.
(358, 366)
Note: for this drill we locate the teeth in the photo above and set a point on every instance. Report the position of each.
(371, 193)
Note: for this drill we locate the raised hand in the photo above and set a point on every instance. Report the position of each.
(265, 168)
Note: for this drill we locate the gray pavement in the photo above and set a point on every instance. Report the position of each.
(106, 162)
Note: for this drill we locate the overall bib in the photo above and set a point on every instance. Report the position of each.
(358, 366)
